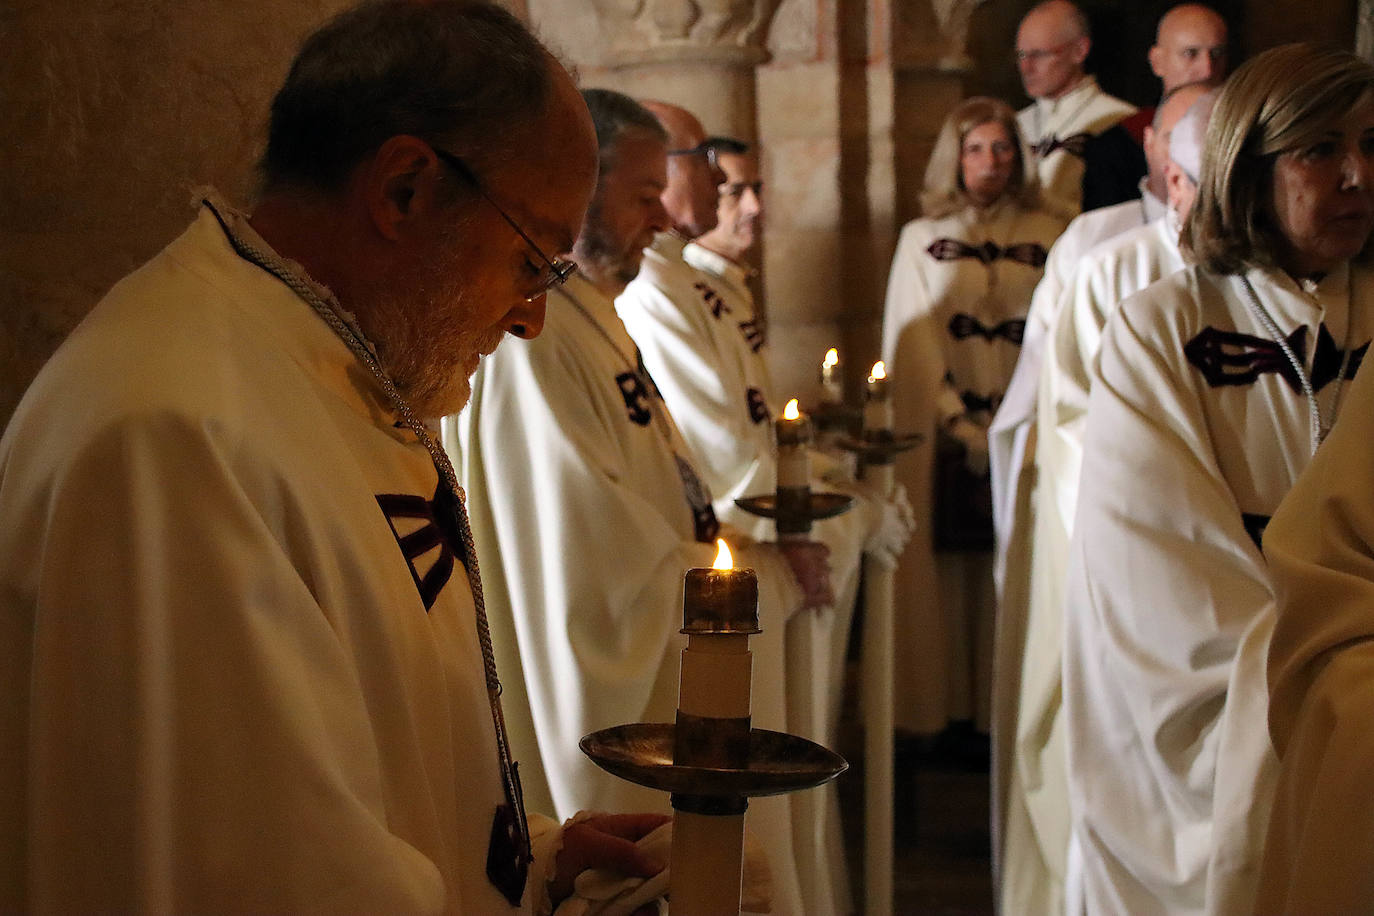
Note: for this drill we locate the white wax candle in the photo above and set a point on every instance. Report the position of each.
(832, 388)
(794, 434)
(877, 404)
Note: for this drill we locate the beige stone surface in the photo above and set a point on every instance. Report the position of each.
(113, 112)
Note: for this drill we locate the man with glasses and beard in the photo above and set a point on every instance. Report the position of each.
(243, 654)
(585, 492)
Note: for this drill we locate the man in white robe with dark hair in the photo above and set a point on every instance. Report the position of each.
(241, 639)
(582, 485)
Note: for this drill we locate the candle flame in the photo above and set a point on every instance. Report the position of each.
(832, 359)
(791, 411)
(879, 371)
(723, 558)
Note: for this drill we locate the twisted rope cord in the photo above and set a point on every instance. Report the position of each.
(329, 311)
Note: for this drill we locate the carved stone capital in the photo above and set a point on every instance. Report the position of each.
(676, 31)
(932, 34)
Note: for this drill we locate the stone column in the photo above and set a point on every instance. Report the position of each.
(849, 110)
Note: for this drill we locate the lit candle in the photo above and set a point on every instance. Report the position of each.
(877, 405)
(720, 598)
(794, 473)
(720, 609)
(794, 434)
(832, 388)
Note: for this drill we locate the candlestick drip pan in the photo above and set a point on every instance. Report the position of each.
(823, 505)
(884, 447)
(642, 753)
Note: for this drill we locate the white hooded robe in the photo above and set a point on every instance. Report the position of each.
(1196, 430)
(975, 269)
(229, 682)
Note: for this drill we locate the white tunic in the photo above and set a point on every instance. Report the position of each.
(1319, 854)
(572, 467)
(1031, 804)
(1011, 443)
(1106, 275)
(1194, 435)
(1055, 130)
(223, 690)
(938, 278)
(692, 314)
(702, 346)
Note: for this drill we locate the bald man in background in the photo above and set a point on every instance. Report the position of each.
(1067, 108)
(1190, 47)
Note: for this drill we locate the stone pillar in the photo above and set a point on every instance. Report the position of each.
(849, 110)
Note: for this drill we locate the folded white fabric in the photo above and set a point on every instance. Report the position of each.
(598, 892)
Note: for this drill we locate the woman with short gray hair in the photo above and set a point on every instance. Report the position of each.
(1214, 388)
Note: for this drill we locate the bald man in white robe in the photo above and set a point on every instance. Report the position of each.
(1067, 107)
(1025, 882)
(694, 317)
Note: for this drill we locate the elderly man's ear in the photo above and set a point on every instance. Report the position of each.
(400, 183)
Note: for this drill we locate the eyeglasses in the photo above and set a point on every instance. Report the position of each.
(704, 148)
(555, 271)
(1039, 55)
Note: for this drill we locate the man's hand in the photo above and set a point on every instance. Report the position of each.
(604, 841)
(810, 562)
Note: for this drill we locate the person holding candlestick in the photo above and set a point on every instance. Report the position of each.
(586, 495)
(960, 285)
(701, 332)
(244, 660)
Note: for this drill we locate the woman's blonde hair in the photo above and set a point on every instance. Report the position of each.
(944, 191)
(1281, 100)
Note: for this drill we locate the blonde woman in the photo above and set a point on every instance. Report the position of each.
(1214, 388)
(957, 297)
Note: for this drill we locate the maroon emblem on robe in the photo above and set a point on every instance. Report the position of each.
(439, 529)
(1032, 254)
(1231, 358)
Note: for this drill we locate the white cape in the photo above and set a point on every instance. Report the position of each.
(1319, 854)
(1085, 109)
(693, 317)
(930, 370)
(1024, 882)
(222, 687)
(1192, 441)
